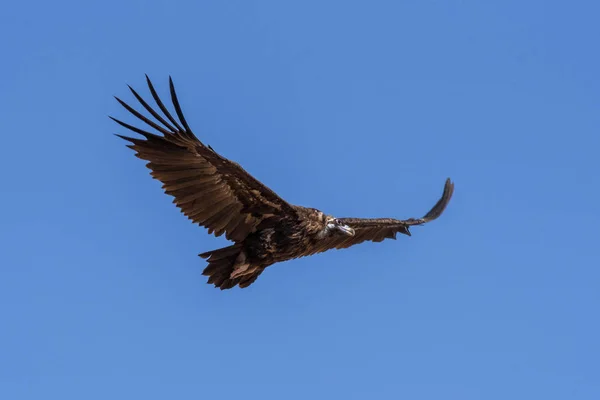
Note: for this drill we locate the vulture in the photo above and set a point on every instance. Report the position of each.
(218, 194)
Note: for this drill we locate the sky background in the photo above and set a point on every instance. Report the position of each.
(356, 108)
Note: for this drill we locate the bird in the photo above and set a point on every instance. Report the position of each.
(218, 194)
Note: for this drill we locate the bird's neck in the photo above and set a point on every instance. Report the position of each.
(323, 233)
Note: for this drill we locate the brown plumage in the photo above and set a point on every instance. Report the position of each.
(220, 195)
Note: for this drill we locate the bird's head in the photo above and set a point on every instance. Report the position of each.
(334, 225)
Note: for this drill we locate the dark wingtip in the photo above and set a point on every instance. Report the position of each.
(118, 121)
(121, 102)
(437, 209)
(161, 105)
(127, 138)
(442, 203)
(177, 106)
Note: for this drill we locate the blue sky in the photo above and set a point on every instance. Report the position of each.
(356, 108)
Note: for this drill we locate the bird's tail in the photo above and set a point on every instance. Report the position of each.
(228, 267)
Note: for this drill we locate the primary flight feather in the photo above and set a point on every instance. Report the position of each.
(220, 195)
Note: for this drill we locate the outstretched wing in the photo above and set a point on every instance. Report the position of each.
(211, 190)
(379, 229)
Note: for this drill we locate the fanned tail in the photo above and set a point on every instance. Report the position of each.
(227, 267)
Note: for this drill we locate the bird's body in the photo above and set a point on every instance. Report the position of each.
(220, 195)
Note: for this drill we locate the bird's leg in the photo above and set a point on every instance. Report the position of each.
(240, 266)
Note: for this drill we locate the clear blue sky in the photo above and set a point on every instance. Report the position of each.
(356, 108)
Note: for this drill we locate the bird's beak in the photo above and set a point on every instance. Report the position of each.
(346, 229)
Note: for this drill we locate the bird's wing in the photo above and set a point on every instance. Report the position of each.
(379, 229)
(211, 190)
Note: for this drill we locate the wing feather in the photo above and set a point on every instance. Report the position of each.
(211, 190)
(379, 229)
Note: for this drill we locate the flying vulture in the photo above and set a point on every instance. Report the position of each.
(220, 195)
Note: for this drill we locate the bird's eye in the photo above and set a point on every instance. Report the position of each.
(337, 221)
